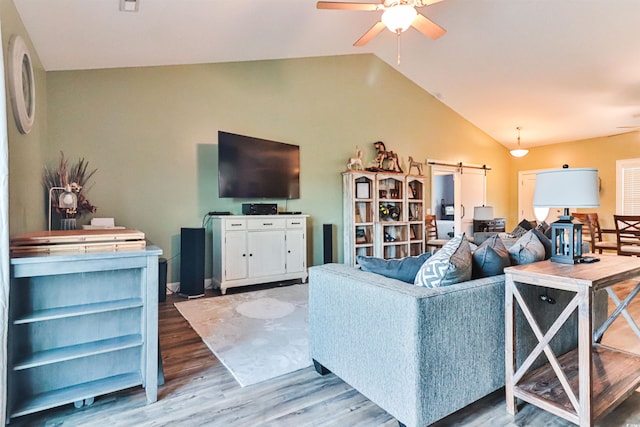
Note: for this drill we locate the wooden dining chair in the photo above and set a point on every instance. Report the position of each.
(592, 232)
(628, 234)
(587, 231)
(431, 233)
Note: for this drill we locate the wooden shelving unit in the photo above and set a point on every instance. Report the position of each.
(616, 374)
(383, 215)
(80, 326)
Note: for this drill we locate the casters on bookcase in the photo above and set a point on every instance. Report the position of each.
(86, 402)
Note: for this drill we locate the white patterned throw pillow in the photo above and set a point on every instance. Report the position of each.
(450, 265)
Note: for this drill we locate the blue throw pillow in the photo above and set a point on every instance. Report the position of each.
(490, 258)
(404, 269)
(546, 242)
(527, 249)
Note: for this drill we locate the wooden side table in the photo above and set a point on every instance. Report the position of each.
(591, 380)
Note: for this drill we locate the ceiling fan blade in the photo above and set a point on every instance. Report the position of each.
(427, 2)
(373, 31)
(348, 6)
(428, 27)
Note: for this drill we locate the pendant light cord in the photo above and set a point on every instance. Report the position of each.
(398, 45)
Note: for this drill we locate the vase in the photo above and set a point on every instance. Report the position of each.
(68, 224)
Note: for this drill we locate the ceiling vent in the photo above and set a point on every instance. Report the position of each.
(129, 5)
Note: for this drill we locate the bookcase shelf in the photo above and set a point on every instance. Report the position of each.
(78, 310)
(77, 351)
(76, 393)
(389, 221)
(80, 326)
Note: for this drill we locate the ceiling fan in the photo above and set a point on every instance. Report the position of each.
(397, 16)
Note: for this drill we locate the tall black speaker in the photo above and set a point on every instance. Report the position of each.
(327, 240)
(192, 262)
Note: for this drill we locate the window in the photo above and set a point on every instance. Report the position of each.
(628, 187)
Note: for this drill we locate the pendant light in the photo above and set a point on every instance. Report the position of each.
(519, 152)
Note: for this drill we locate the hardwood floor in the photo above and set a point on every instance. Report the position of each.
(199, 391)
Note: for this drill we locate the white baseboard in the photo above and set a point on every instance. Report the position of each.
(174, 287)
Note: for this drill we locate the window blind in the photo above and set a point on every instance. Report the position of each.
(628, 187)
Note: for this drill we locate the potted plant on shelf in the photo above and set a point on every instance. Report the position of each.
(70, 182)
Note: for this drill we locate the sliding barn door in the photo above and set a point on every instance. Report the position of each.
(469, 191)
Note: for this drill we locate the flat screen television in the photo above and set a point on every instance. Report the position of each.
(257, 168)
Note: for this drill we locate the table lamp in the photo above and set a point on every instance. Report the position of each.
(566, 188)
(483, 213)
(67, 199)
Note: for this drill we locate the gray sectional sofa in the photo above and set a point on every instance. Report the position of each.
(419, 353)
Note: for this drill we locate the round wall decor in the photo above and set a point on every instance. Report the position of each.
(22, 88)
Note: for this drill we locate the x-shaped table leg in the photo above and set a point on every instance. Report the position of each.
(621, 308)
(543, 344)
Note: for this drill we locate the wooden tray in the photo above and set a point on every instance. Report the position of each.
(77, 241)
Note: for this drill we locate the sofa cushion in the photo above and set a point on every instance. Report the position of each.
(521, 228)
(450, 265)
(527, 249)
(490, 258)
(546, 242)
(404, 269)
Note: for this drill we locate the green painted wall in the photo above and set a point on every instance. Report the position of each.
(152, 134)
(26, 152)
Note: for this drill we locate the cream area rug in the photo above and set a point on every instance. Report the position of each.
(257, 335)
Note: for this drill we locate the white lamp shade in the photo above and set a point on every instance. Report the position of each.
(399, 18)
(483, 213)
(567, 188)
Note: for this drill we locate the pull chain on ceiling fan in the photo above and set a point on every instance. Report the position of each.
(397, 16)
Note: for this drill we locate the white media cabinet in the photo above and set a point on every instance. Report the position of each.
(253, 249)
(81, 325)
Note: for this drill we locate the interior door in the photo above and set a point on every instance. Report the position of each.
(526, 189)
(469, 191)
(527, 185)
(472, 193)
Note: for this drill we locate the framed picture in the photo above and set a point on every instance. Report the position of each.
(362, 190)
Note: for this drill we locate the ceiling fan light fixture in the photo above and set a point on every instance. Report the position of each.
(519, 152)
(398, 18)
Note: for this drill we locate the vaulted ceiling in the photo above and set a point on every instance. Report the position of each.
(560, 69)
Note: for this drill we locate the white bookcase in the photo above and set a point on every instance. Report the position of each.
(383, 215)
(252, 249)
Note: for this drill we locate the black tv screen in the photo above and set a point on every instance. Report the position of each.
(257, 168)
